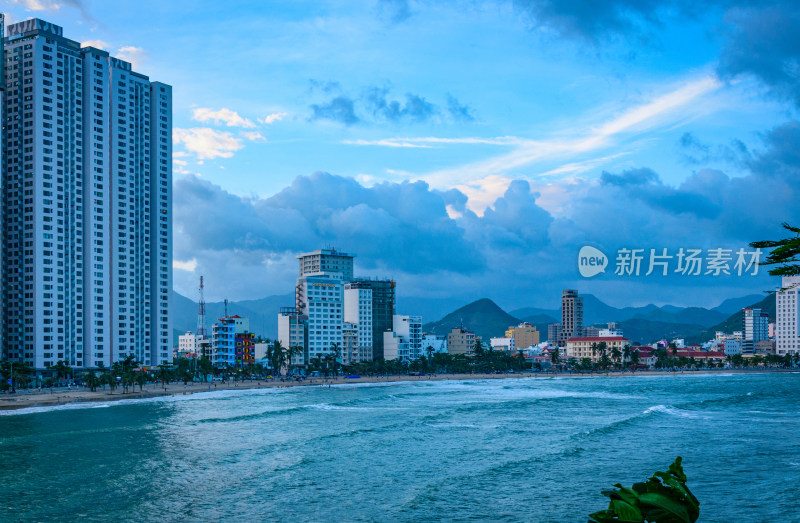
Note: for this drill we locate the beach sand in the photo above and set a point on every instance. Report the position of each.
(34, 398)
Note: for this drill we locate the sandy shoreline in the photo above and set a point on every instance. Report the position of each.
(26, 399)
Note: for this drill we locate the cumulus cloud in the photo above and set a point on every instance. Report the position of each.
(220, 117)
(207, 143)
(434, 245)
(135, 55)
(272, 118)
(99, 44)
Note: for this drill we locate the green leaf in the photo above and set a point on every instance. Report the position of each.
(628, 495)
(626, 512)
(604, 516)
(663, 502)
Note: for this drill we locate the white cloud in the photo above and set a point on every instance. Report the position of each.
(392, 142)
(135, 55)
(189, 265)
(207, 143)
(223, 116)
(253, 136)
(479, 179)
(271, 118)
(95, 43)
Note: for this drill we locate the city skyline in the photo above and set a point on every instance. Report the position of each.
(490, 140)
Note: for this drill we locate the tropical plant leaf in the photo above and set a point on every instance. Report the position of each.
(665, 503)
(626, 512)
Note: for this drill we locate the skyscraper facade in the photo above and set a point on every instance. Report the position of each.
(787, 321)
(571, 315)
(86, 195)
(755, 328)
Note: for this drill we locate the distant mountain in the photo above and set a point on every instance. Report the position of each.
(263, 313)
(732, 305)
(689, 315)
(483, 317)
(530, 312)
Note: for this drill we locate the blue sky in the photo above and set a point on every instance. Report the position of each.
(466, 149)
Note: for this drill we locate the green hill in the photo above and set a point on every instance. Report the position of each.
(483, 317)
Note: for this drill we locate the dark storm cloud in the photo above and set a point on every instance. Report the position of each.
(765, 42)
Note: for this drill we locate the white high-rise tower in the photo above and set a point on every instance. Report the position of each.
(87, 229)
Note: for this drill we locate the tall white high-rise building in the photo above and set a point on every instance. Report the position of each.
(87, 188)
(358, 311)
(404, 341)
(787, 323)
(323, 306)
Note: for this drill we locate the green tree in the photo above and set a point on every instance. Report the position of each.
(555, 356)
(616, 355)
(626, 354)
(141, 379)
(785, 253)
(91, 380)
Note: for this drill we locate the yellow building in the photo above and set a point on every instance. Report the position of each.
(582, 347)
(525, 335)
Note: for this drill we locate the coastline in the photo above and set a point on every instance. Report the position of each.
(23, 400)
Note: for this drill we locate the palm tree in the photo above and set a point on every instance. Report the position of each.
(554, 357)
(616, 355)
(276, 354)
(141, 379)
(291, 352)
(111, 381)
(336, 352)
(634, 355)
(91, 380)
(626, 354)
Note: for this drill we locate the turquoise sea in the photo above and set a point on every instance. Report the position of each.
(494, 450)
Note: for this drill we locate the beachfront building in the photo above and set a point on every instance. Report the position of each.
(461, 341)
(755, 328)
(223, 342)
(323, 304)
(245, 348)
(189, 343)
(358, 312)
(524, 335)
(503, 344)
(581, 347)
(404, 341)
(432, 344)
(383, 309)
(86, 204)
(787, 322)
(293, 332)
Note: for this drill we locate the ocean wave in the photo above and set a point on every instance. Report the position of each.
(670, 410)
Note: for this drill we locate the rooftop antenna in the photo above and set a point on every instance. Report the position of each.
(201, 313)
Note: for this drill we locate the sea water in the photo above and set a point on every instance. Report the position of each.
(485, 450)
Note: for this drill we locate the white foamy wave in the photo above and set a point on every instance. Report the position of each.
(669, 410)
